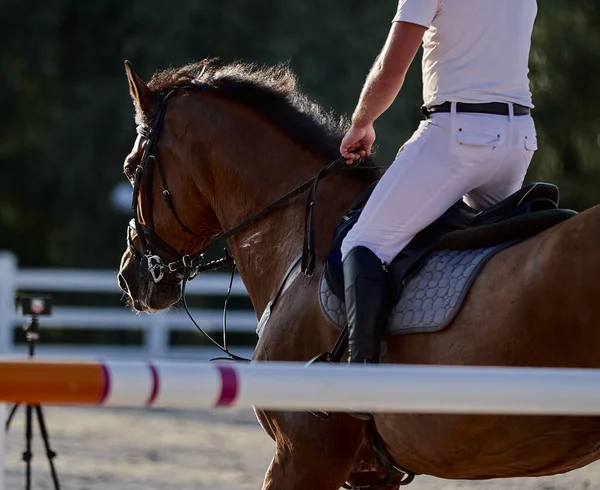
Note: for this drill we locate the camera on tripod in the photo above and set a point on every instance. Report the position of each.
(34, 305)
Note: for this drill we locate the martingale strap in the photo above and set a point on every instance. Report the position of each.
(308, 248)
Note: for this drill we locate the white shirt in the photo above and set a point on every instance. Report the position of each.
(474, 50)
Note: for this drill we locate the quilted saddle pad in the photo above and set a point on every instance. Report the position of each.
(431, 297)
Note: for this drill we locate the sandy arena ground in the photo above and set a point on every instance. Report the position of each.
(102, 449)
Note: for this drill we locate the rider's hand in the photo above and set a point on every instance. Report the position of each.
(357, 143)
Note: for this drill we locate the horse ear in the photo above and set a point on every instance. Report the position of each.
(143, 98)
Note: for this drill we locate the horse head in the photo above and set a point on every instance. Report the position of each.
(172, 216)
(217, 144)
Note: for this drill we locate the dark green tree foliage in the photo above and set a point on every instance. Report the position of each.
(565, 74)
(67, 119)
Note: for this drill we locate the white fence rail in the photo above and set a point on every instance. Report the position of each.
(156, 328)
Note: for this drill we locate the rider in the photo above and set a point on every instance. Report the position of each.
(477, 139)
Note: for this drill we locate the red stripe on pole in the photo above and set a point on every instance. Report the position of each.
(155, 385)
(229, 386)
(106, 384)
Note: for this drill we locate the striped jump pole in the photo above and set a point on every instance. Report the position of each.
(3, 414)
(292, 386)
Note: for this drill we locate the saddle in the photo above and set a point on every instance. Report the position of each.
(525, 213)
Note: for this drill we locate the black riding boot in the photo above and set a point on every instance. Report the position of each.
(366, 286)
(367, 292)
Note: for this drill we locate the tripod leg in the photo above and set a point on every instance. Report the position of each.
(49, 452)
(27, 455)
(13, 410)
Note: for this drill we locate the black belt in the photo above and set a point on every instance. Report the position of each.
(497, 108)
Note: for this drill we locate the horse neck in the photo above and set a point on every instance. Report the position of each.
(259, 167)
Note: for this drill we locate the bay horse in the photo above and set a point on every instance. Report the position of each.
(234, 138)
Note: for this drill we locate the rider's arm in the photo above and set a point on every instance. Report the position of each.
(387, 74)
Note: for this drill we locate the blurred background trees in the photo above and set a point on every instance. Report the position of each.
(67, 119)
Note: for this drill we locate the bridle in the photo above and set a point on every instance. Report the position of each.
(187, 266)
(153, 266)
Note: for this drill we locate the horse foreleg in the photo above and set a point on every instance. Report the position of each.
(311, 453)
(290, 470)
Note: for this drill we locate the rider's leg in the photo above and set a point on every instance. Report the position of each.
(447, 157)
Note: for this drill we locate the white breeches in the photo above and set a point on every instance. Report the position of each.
(482, 158)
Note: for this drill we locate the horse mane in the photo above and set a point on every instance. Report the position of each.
(272, 92)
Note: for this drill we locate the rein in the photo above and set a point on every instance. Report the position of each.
(187, 266)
